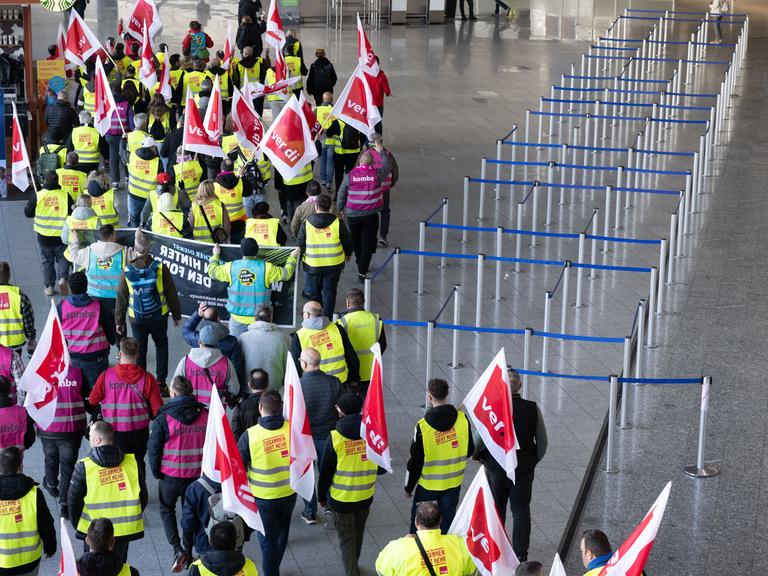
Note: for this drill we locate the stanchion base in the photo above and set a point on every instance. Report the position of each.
(442, 266)
(498, 299)
(420, 293)
(481, 219)
(651, 346)
(455, 367)
(625, 427)
(607, 470)
(708, 471)
(595, 277)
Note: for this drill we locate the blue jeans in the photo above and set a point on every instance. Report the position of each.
(326, 165)
(114, 157)
(447, 502)
(310, 506)
(276, 517)
(236, 328)
(135, 206)
(322, 288)
(55, 265)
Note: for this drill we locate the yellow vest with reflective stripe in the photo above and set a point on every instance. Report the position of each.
(229, 143)
(189, 172)
(133, 142)
(223, 83)
(175, 77)
(215, 213)
(113, 493)
(71, 181)
(447, 552)
(142, 176)
(324, 117)
(194, 82)
(11, 319)
(154, 197)
(355, 476)
(304, 176)
(77, 224)
(85, 141)
(269, 80)
(329, 345)
(161, 226)
(337, 148)
(269, 472)
(293, 64)
(248, 569)
(445, 454)
(323, 245)
(50, 212)
(104, 206)
(89, 100)
(263, 230)
(19, 539)
(59, 149)
(363, 329)
(254, 72)
(265, 167)
(232, 198)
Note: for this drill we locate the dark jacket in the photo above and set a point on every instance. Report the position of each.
(243, 446)
(321, 77)
(106, 457)
(247, 63)
(14, 487)
(61, 119)
(229, 180)
(349, 427)
(441, 418)
(246, 414)
(228, 345)
(169, 289)
(170, 144)
(220, 562)
(95, 190)
(29, 211)
(350, 356)
(186, 410)
(250, 35)
(29, 435)
(195, 514)
(105, 321)
(101, 564)
(323, 220)
(321, 392)
(248, 8)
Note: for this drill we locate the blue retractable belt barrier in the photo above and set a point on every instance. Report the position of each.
(558, 336)
(383, 266)
(661, 380)
(515, 331)
(623, 240)
(412, 323)
(435, 211)
(607, 267)
(564, 376)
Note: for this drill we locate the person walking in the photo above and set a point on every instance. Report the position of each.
(206, 315)
(265, 454)
(175, 458)
(143, 168)
(108, 484)
(12, 368)
(209, 217)
(102, 560)
(17, 317)
(307, 208)
(147, 294)
(337, 356)
(265, 228)
(361, 200)
(442, 443)
(531, 434)
(102, 197)
(229, 190)
(17, 427)
(83, 217)
(128, 398)
(197, 42)
(265, 346)
(224, 558)
(88, 143)
(60, 118)
(716, 9)
(364, 330)
(249, 279)
(196, 514)
(327, 143)
(470, 6)
(379, 85)
(347, 481)
(167, 219)
(246, 413)
(388, 182)
(595, 551)
(321, 78)
(120, 124)
(26, 523)
(327, 246)
(348, 142)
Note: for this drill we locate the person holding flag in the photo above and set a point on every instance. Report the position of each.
(18, 428)
(364, 329)
(101, 560)
(595, 551)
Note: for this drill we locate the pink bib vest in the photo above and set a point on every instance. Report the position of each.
(82, 328)
(6, 360)
(70, 405)
(201, 384)
(124, 405)
(364, 191)
(386, 184)
(13, 427)
(183, 452)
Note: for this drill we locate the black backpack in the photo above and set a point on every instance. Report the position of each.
(322, 75)
(48, 160)
(251, 174)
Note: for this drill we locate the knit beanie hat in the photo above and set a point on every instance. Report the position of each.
(249, 247)
(350, 403)
(78, 283)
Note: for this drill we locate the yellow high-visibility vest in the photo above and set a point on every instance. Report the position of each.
(142, 176)
(51, 212)
(364, 330)
(104, 206)
(232, 198)
(194, 82)
(337, 148)
(293, 63)
(323, 246)
(91, 223)
(165, 122)
(263, 230)
(269, 80)
(254, 72)
(20, 543)
(223, 83)
(304, 176)
(215, 212)
(11, 318)
(447, 552)
(154, 197)
(325, 118)
(189, 173)
(248, 569)
(268, 473)
(330, 346)
(85, 141)
(445, 454)
(161, 225)
(133, 142)
(355, 476)
(72, 181)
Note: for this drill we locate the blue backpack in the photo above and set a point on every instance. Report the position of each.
(146, 301)
(197, 46)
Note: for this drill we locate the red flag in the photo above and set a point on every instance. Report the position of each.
(213, 123)
(301, 445)
(165, 87)
(355, 104)
(281, 70)
(196, 139)
(365, 55)
(67, 563)
(489, 406)
(275, 34)
(228, 50)
(105, 101)
(309, 115)
(245, 121)
(46, 370)
(288, 143)
(630, 558)
(144, 12)
(81, 41)
(258, 90)
(373, 426)
(478, 522)
(61, 41)
(20, 164)
(222, 463)
(147, 70)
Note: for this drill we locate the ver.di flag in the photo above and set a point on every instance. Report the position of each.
(478, 522)
(355, 104)
(105, 105)
(300, 444)
(67, 563)
(213, 123)
(144, 12)
(195, 138)
(489, 406)
(147, 70)
(275, 35)
(61, 41)
(365, 55)
(310, 116)
(19, 157)
(164, 86)
(45, 372)
(373, 425)
(222, 463)
(630, 558)
(245, 121)
(288, 142)
(228, 48)
(81, 44)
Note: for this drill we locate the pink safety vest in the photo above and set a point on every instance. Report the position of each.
(124, 406)
(201, 384)
(6, 360)
(70, 405)
(386, 184)
(82, 328)
(364, 191)
(183, 452)
(13, 426)
(119, 120)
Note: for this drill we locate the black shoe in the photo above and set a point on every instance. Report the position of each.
(164, 392)
(309, 518)
(463, 17)
(473, 17)
(361, 278)
(52, 490)
(64, 511)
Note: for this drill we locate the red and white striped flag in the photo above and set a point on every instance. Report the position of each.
(82, 43)
(105, 101)
(245, 121)
(228, 48)
(147, 70)
(195, 138)
(164, 86)
(489, 406)
(257, 90)
(373, 426)
(365, 55)
(557, 566)
(300, 444)
(630, 558)
(46, 370)
(310, 116)
(144, 12)
(68, 562)
(355, 104)
(275, 33)
(213, 123)
(288, 143)
(20, 164)
(478, 522)
(222, 463)
(61, 41)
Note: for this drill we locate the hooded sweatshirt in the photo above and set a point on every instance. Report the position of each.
(169, 289)
(265, 346)
(221, 563)
(350, 356)
(79, 213)
(80, 257)
(130, 374)
(101, 564)
(207, 357)
(323, 220)
(195, 514)
(185, 409)
(105, 321)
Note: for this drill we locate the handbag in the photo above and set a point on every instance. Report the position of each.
(218, 234)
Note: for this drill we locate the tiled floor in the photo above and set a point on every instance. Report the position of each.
(456, 89)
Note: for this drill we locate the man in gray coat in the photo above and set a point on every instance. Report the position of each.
(265, 346)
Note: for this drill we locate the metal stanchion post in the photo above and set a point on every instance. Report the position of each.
(540, 123)
(465, 211)
(565, 296)
(650, 337)
(617, 210)
(640, 338)
(444, 234)
(367, 294)
(422, 242)
(610, 468)
(430, 359)
(519, 237)
(586, 125)
(545, 340)
(625, 373)
(550, 172)
(680, 208)
(551, 112)
(526, 358)
(396, 283)
(499, 248)
(662, 276)
(535, 215)
(479, 290)
(481, 208)
(606, 221)
(526, 142)
(497, 186)
(579, 270)
(563, 160)
(695, 183)
(455, 364)
(672, 247)
(702, 469)
(687, 205)
(593, 243)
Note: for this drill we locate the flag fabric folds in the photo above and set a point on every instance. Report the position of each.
(147, 70)
(275, 35)
(288, 142)
(196, 139)
(213, 123)
(81, 43)
(144, 12)
(355, 104)
(300, 445)
(68, 562)
(365, 55)
(245, 121)
(105, 104)
(20, 164)
(373, 426)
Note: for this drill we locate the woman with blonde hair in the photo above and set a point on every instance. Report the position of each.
(209, 217)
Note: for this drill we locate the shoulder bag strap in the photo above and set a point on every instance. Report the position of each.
(207, 222)
(172, 224)
(424, 556)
